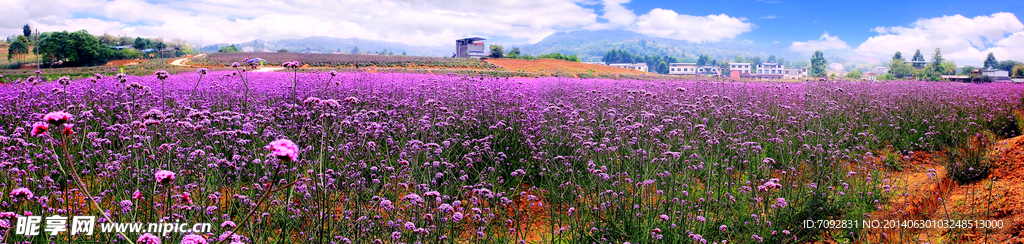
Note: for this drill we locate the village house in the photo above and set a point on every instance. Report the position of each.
(737, 70)
(472, 47)
(636, 66)
(682, 68)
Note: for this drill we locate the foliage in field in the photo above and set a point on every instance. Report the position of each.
(348, 60)
(407, 158)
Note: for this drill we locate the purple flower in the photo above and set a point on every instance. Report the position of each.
(64, 80)
(395, 235)
(148, 238)
(39, 128)
(227, 224)
(21, 193)
(781, 202)
(193, 239)
(201, 71)
(57, 118)
(409, 226)
(722, 228)
(284, 149)
(164, 176)
(161, 74)
(235, 65)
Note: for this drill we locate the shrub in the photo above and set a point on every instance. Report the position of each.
(971, 160)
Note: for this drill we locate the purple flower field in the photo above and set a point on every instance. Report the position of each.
(404, 158)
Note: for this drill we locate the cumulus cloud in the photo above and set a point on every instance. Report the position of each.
(427, 22)
(963, 40)
(421, 22)
(669, 24)
(825, 42)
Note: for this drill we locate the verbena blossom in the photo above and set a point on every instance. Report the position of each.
(283, 149)
(161, 74)
(57, 118)
(193, 239)
(21, 193)
(164, 176)
(39, 128)
(148, 238)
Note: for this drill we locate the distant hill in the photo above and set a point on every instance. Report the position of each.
(323, 44)
(588, 45)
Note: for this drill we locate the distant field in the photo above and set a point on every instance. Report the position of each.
(553, 65)
(344, 60)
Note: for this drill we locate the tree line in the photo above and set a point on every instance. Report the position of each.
(79, 48)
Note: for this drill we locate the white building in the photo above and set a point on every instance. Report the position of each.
(879, 70)
(837, 67)
(708, 70)
(770, 69)
(682, 68)
(794, 74)
(743, 68)
(636, 66)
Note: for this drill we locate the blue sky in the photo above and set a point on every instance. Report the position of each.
(853, 21)
(966, 31)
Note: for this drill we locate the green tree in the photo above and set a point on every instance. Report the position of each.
(1018, 71)
(514, 52)
(662, 68)
(900, 69)
(73, 49)
(738, 59)
(818, 64)
(937, 60)
(702, 60)
(771, 58)
(966, 70)
(918, 56)
(754, 62)
(282, 50)
(990, 62)
(26, 30)
(497, 51)
(16, 49)
(1007, 65)
(229, 49)
(855, 74)
(927, 73)
(898, 56)
(140, 43)
(948, 68)
(886, 77)
(355, 50)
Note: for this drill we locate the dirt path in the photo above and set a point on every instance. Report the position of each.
(181, 61)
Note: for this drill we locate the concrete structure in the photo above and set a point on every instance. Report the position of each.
(794, 74)
(770, 69)
(472, 47)
(636, 66)
(682, 68)
(871, 76)
(959, 78)
(835, 67)
(879, 70)
(708, 70)
(743, 68)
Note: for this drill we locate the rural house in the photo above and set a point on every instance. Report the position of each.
(636, 66)
(472, 47)
(737, 70)
(682, 68)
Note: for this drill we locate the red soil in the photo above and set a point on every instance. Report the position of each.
(553, 65)
(997, 198)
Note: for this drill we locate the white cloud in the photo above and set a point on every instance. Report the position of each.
(963, 40)
(427, 22)
(826, 42)
(669, 24)
(769, 17)
(415, 22)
